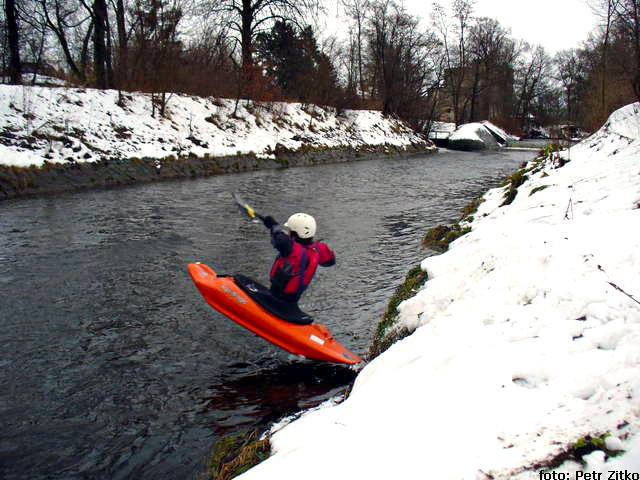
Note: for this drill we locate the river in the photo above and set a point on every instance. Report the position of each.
(113, 366)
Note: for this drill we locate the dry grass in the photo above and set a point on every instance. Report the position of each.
(237, 453)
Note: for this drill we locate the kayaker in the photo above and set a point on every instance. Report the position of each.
(298, 256)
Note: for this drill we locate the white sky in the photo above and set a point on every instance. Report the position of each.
(555, 24)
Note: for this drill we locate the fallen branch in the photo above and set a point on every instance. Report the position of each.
(569, 209)
(617, 287)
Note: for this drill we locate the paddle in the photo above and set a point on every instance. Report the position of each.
(246, 208)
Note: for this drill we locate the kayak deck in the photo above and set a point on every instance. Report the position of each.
(311, 340)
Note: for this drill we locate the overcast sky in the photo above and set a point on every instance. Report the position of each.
(555, 24)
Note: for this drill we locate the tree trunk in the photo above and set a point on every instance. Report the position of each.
(360, 76)
(123, 49)
(15, 67)
(636, 36)
(247, 40)
(84, 55)
(99, 44)
(247, 49)
(39, 57)
(605, 51)
(108, 52)
(474, 94)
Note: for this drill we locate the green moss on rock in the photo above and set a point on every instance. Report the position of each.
(513, 183)
(384, 337)
(575, 452)
(439, 238)
(538, 189)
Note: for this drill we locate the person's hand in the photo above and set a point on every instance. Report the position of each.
(269, 221)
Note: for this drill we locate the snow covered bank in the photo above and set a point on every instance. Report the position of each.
(526, 342)
(56, 139)
(67, 125)
(478, 136)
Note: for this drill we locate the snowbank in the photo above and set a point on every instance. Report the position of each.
(478, 136)
(76, 125)
(527, 340)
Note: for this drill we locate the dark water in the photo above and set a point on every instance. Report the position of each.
(111, 364)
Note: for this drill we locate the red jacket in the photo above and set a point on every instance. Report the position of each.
(296, 264)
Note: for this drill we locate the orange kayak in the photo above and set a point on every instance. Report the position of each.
(242, 301)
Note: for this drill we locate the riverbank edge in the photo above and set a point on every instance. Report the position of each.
(437, 240)
(51, 178)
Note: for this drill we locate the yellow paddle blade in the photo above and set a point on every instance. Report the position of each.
(245, 207)
(250, 211)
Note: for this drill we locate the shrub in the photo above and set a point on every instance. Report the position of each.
(551, 147)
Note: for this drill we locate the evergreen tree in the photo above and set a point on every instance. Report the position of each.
(293, 59)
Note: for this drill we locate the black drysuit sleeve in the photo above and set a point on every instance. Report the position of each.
(281, 240)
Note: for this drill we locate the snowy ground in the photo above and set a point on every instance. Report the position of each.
(527, 341)
(40, 124)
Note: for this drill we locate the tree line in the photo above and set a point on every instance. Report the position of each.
(450, 66)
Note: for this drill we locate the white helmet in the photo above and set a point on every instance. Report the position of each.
(303, 224)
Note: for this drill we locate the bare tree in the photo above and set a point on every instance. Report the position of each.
(83, 33)
(605, 10)
(605, 68)
(400, 60)
(68, 19)
(532, 82)
(357, 10)
(349, 62)
(628, 12)
(491, 57)
(571, 75)
(453, 35)
(157, 49)
(433, 94)
(207, 66)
